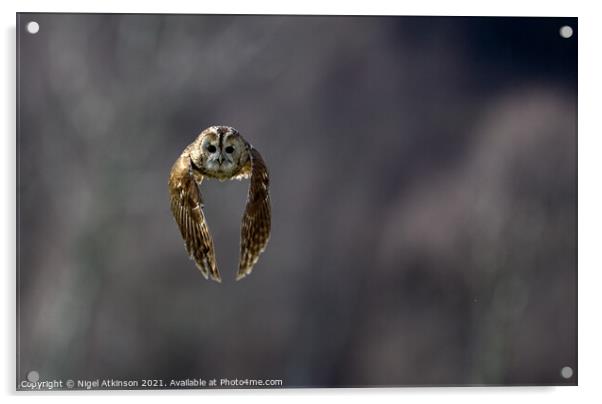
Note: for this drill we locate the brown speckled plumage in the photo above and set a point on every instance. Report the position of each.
(220, 152)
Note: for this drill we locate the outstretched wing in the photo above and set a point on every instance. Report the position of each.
(256, 222)
(187, 209)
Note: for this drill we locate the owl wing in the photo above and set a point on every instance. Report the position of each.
(256, 222)
(187, 209)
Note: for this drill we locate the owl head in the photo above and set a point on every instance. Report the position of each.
(220, 151)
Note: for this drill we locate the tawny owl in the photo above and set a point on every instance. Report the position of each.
(220, 152)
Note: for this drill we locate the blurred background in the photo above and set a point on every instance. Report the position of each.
(424, 198)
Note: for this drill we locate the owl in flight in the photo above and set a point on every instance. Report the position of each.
(220, 152)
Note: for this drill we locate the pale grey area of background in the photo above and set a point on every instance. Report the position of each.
(423, 189)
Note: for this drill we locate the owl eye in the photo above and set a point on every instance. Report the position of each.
(211, 148)
(229, 149)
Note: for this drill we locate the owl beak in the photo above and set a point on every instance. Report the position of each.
(220, 160)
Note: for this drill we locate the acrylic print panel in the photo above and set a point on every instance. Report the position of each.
(415, 176)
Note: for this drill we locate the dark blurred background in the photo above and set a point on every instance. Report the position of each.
(423, 191)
